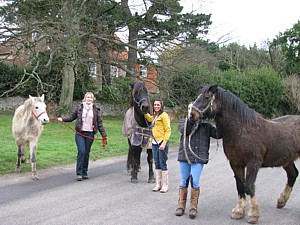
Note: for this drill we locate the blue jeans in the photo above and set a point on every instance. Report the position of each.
(190, 171)
(84, 147)
(160, 156)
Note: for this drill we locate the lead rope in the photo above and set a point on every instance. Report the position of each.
(190, 148)
(71, 128)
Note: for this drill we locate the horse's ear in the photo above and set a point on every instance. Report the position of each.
(30, 97)
(43, 97)
(213, 88)
(131, 84)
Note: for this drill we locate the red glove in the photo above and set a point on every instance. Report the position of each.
(104, 141)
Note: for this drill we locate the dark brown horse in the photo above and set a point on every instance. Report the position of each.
(138, 131)
(251, 142)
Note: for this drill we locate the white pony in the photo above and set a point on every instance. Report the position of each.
(27, 126)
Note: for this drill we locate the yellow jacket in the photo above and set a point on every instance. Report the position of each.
(162, 127)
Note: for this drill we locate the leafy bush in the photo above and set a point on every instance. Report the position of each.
(118, 92)
(261, 89)
(185, 85)
(9, 76)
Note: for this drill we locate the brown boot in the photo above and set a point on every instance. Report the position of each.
(181, 201)
(194, 202)
(158, 174)
(165, 182)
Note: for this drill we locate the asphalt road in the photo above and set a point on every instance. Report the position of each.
(108, 197)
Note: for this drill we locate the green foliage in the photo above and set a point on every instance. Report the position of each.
(117, 93)
(9, 76)
(185, 85)
(289, 43)
(237, 57)
(260, 89)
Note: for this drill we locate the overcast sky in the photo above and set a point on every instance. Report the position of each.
(248, 21)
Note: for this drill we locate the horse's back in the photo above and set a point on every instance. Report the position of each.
(288, 119)
(18, 121)
(128, 122)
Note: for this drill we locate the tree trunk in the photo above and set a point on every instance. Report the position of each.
(132, 53)
(106, 77)
(133, 34)
(68, 80)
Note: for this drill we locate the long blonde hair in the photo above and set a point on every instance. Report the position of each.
(89, 93)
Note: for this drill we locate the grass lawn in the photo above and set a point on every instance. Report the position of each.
(57, 146)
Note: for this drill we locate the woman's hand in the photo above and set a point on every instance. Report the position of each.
(104, 141)
(161, 147)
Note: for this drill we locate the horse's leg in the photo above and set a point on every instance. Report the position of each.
(33, 146)
(252, 170)
(150, 164)
(23, 158)
(129, 157)
(20, 158)
(292, 174)
(136, 151)
(239, 174)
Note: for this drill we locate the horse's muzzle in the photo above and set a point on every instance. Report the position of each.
(145, 108)
(194, 115)
(45, 121)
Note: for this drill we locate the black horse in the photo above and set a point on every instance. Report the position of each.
(251, 142)
(138, 131)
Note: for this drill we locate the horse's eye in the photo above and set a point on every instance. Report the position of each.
(36, 107)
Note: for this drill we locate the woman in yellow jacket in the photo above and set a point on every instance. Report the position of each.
(160, 144)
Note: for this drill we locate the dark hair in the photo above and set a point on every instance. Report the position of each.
(161, 103)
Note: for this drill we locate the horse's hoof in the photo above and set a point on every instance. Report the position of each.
(237, 214)
(280, 203)
(252, 219)
(35, 177)
(18, 170)
(134, 180)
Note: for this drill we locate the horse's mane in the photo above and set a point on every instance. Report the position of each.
(231, 102)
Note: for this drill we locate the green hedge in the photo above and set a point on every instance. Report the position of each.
(260, 89)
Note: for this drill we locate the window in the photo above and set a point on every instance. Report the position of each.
(114, 71)
(93, 70)
(143, 71)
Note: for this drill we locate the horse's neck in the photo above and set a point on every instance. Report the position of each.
(231, 124)
(225, 121)
(140, 118)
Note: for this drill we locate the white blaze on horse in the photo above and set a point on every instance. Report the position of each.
(27, 126)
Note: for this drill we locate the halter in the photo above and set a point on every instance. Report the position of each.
(201, 111)
(37, 116)
(139, 102)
